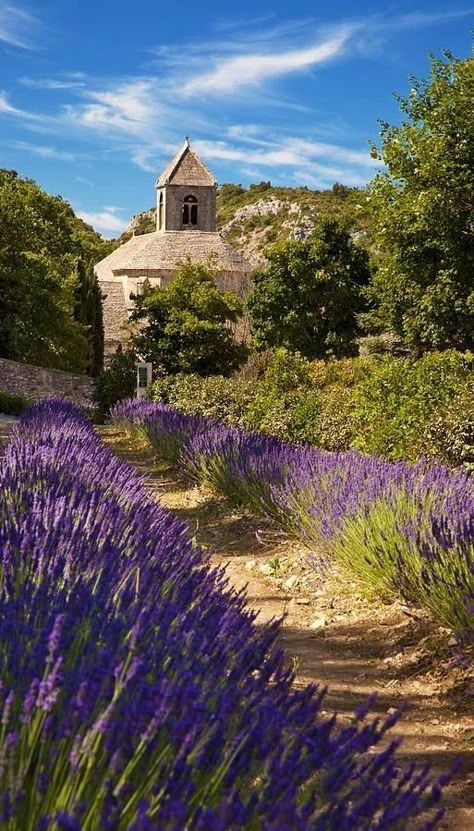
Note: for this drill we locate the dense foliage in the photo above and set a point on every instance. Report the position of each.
(88, 311)
(137, 692)
(224, 399)
(117, 381)
(185, 325)
(396, 529)
(395, 407)
(423, 208)
(41, 241)
(309, 295)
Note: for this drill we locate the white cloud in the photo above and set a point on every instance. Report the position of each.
(142, 157)
(16, 25)
(52, 83)
(46, 152)
(416, 20)
(322, 176)
(318, 149)
(83, 181)
(104, 221)
(128, 107)
(8, 109)
(294, 152)
(252, 69)
(146, 117)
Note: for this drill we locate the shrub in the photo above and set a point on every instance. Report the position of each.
(334, 428)
(278, 406)
(12, 404)
(399, 397)
(116, 382)
(216, 397)
(385, 405)
(448, 436)
(307, 402)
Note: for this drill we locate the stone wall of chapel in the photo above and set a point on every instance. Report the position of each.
(174, 196)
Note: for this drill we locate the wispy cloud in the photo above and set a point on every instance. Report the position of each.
(47, 152)
(53, 83)
(244, 23)
(84, 181)
(415, 20)
(7, 108)
(144, 117)
(128, 107)
(17, 26)
(246, 70)
(105, 221)
(320, 162)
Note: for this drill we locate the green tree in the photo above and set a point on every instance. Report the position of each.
(186, 325)
(36, 323)
(308, 297)
(88, 312)
(40, 242)
(423, 212)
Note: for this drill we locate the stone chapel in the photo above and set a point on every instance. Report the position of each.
(185, 227)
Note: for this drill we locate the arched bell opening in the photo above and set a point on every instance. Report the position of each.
(190, 212)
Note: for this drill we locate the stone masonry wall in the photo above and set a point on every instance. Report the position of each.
(174, 196)
(36, 382)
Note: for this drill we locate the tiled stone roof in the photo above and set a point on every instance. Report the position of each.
(163, 250)
(186, 169)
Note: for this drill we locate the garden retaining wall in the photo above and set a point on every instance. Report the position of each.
(36, 382)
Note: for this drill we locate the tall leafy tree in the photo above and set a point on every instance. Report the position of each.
(186, 326)
(308, 296)
(40, 242)
(88, 311)
(423, 212)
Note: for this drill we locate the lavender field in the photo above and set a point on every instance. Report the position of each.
(397, 530)
(137, 691)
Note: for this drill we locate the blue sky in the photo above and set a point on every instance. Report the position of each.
(95, 96)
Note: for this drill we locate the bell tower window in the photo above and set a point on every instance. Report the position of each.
(190, 211)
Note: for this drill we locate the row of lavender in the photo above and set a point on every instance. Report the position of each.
(398, 530)
(136, 691)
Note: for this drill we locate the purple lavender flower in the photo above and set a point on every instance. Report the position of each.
(137, 690)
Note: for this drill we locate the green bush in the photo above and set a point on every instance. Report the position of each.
(283, 405)
(116, 382)
(223, 399)
(449, 435)
(12, 404)
(94, 414)
(399, 398)
(334, 428)
(385, 405)
(308, 402)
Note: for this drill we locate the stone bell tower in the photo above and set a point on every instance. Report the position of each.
(186, 194)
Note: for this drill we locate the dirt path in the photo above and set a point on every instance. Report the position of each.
(336, 638)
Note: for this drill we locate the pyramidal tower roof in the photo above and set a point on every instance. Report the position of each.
(186, 169)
